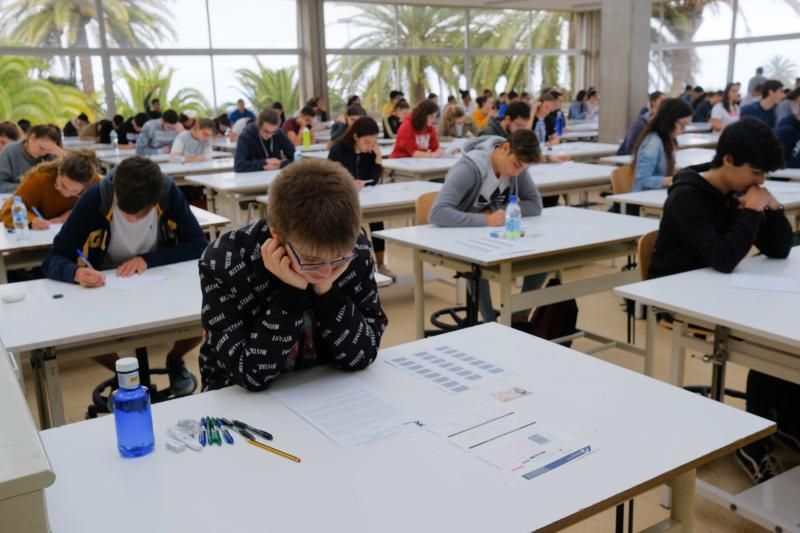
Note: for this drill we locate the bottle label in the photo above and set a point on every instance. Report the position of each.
(129, 380)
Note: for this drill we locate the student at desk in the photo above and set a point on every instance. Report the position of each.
(654, 159)
(478, 187)
(195, 144)
(263, 145)
(53, 187)
(457, 124)
(713, 220)
(42, 144)
(726, 111)
(158, 134)
(9, 133)
(295, 126)
(399, 114)
(788, 133)
(295, 291)
(135, 220)
(417, 135)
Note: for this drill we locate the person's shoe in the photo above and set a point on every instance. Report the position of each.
(759, 467)
(383, 269)
(181, 381)
(790, 441)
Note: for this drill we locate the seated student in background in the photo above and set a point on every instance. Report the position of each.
(353, 99)
(394, 97)
(9, 133)
(704, 105)
(344, 121)
(73, 127)
(186, 121)
(478, 187)
(52, 188)
(484, 111)
(42, 144)
(753, 96)
(726, 111)
(135, 220)
(240, 111)
(577, 109)
(24, 125)
(552, 118)
(195, 144)
(130, 131)
(592, 105)
(789, 106)
(771, 95)
(152, 106)
(654, 159)
(417, 135)
(117, 122)
(295, 126)
(222, 126)
(263, 145)
(277, 106)
(517, 117)
(398, 115)
(511, 97)
(320, 112)
(457, 124)
(158, 134)
(635, 130)
(788, 133)
(546, 105)
(713, 220)
(295, 291)
(358, 151)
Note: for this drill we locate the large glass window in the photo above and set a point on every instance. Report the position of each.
(672, 69)
(349, 25)
(253, 23)
(169, 24)
(757, 18)
(259, 80)
(370, 77)
(778, 59)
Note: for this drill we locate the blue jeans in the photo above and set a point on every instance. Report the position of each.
(529, 283)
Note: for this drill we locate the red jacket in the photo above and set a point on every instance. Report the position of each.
(409, 141)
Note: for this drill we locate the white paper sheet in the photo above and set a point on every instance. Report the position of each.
(768, 275)
(347, 411)
(132, 283)
(496, 246)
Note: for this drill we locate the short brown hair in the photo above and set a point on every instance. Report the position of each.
(46, 131)
(270, 116)
(315, 202)
(525, 146)
(79, 166)
(205, 124)
(9, 130)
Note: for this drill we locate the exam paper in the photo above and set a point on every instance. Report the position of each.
(347, 411)
(496, 246)
(134, 282)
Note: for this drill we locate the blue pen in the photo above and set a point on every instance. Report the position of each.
(37, 213)
(84, 258)
(226, 435)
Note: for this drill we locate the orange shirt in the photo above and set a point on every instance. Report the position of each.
(38, 189)
(480, 119)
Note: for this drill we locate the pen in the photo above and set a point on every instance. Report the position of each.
(259, 432)
(37, 213)
(225, 433)
(274, 450)
(84, 259)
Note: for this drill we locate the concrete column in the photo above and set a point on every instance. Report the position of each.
(313, 63)
(624, 55)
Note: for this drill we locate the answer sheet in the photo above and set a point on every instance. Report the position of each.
(347, 411)
(132, 283)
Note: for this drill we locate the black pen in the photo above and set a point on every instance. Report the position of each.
(242, 431)
(259, 432)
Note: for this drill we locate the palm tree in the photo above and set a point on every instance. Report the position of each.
(141, 80)
(781, 68)
(23, 95)
(67, 23)
(264, 86)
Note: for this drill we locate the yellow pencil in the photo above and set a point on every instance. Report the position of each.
(273, 450)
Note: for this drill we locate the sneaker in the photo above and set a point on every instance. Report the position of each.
(759, 467)
(383, 269)
(790, 441)
(181, 381)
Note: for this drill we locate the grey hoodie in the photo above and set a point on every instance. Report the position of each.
(463, 184)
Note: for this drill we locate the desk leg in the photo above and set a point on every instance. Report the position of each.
(678, 359)
(3, 272)
(683, 501)
(719, 362)
(650, 342)
(51, 407)
(505, 294)
(419, 293)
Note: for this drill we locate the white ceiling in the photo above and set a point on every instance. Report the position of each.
(556, 5)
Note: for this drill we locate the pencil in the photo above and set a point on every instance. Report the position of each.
(273, 450)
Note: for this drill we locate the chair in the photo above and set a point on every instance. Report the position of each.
(422, 208)
(644, 251)
(622, 179)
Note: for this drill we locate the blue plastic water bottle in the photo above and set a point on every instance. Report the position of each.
(513, 219)
(559, 124)
(540, 131)
(132, 416)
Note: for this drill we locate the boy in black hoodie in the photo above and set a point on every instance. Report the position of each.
(713, 220)
(295, 291)
(263, 145)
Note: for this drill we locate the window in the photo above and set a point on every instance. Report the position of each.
(553, 71)
(778, 58)
(173, 24)
(439, 74)
(259, 80)
(702, 21)
(370, 77)
(500, 73)
(253, 23)
(500, 29)
(37, 24)
(672, 69)
(757, 18)
(349, 25)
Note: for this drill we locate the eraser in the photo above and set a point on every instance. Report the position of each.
(12, 297)
(175, 446)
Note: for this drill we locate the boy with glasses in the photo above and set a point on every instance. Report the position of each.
(295, 291)
(263, 145)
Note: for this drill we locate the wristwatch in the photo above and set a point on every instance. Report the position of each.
(780, 209)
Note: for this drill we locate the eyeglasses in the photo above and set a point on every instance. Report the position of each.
(310, 267)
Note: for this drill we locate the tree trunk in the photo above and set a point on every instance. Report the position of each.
(87, 75)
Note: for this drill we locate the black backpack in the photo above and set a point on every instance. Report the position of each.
(552, 321)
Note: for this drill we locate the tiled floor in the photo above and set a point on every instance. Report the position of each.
(601, 313)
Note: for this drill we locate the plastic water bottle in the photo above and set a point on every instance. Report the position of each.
(513, 219)
(559, 124)
(132, 416)
(540, 131)
(114, 139)
(19, 214)
(306, 138)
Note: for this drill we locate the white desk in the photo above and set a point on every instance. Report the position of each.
(224, 144)
(30, 253)
(579, 135)
(560, 238)
(111, 152)
(25, 470)
(73, 143)
(698, 140)
(225, 190)
(583, 125)
(787, 173)
(88, 322)
(179, 171)
(571, 178)
(113, 160)
(687, 157)
(439, 486)
(385, 152)
(753, 328)
(698, 127)
(419, 168)
(582, 150)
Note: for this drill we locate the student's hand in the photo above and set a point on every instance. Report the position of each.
(557, 158)
(137, 265)
(52, 148)
(667, 181)
(438, 153)
(497, 218)
(324, 286)
(273, 163)
(61, 218)
(233, 136)
(195, 158)
(165, 149)
(40, 224)
(89, 277)
(277, 261)
(360, 184)
(756, 198)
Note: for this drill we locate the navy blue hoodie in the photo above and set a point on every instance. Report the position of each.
(252, 151)
(89, 228)
(788, 133)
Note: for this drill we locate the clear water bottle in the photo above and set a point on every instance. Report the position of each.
(513, 219)
(559, 124)
(306, 138)
(114, 139)
(132, 416)
(19, 214)
(540, 131)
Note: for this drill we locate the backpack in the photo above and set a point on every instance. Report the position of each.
(552, 321)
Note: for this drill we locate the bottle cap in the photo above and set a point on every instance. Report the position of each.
(17, 198)
(127, 364)
(513, 198)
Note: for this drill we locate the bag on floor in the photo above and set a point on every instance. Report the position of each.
(552, 321)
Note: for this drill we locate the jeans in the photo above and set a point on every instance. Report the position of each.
(529, 283)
